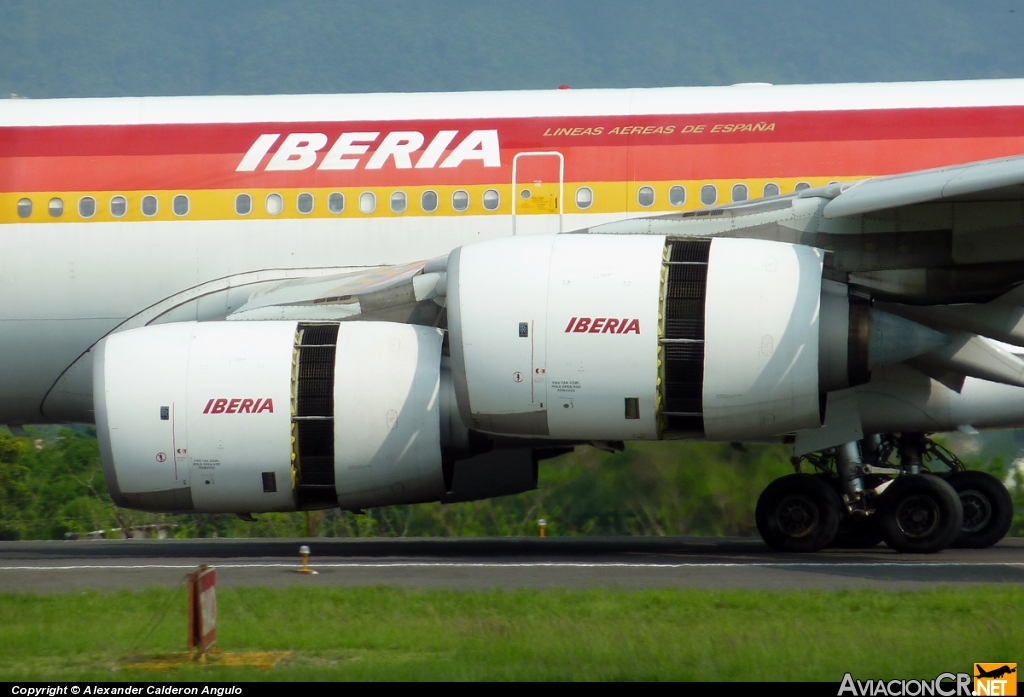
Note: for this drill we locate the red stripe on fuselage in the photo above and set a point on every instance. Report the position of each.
(179, 139)
(826, 143)
(170, 172)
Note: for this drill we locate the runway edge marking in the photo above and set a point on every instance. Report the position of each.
(377, 565)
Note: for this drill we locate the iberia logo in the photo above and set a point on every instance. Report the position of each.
(995, 679)
(239, 406)
(299, 151)
(603, 325)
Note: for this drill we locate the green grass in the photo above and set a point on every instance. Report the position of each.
(388, 633)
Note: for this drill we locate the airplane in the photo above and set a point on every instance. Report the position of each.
(995, 672)
(298, 302)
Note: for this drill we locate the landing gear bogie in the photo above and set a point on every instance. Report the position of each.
(890, 490)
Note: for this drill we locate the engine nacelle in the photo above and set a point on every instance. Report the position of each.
(635, 337)
(250, 417)
(761, 321)
(557, 336)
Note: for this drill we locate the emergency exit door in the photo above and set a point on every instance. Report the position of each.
(538, 191)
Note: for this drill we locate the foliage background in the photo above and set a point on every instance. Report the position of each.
(52, 487)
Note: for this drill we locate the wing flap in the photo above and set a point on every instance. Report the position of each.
(405, 293)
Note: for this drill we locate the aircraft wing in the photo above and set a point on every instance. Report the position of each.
(988, 180)
(941, 247)
(404, 293)
(984, 182)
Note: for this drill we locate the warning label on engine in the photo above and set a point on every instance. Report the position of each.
(205, 464)
(565, 386)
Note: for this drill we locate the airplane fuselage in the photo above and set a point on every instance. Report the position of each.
(124, 212)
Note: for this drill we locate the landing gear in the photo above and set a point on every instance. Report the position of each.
(919, 513)
(798, 513)
(988, 509)
(910, 492)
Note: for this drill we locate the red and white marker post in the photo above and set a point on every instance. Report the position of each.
(202, 609)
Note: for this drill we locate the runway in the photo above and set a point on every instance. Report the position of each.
(487, 563)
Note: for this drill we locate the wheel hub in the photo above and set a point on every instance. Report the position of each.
(797, 516)
(977, 510)
(917, 516)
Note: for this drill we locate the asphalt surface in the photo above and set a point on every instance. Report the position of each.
(628, 563)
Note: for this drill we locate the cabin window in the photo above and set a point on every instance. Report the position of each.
(584, 197)
(87, 206)
(739, 192)
(180, 205)
(243, 204)
(274, 204)
(118, 206)
(428, 201)
(56, 207)
(150, 206)
(708, 194)
(491, 199)
(676, 196)
(460, 200)
(770, 190)
(645, 196)
(24, 208)
(304, 203)
(801, 186)
(398, 202)
(336, 202)
(367, 202)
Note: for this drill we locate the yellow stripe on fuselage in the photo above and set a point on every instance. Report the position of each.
(219, 204)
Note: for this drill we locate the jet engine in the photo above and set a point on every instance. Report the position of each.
(606, 337)
(250, 417)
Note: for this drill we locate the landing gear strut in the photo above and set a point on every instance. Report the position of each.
(910, 492)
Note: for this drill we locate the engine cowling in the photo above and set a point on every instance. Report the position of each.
(616, 337)
(552, 336)
(251, 417)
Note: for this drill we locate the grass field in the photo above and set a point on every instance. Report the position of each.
(388, 633)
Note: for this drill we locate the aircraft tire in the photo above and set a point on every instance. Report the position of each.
(919, 514)
(798, 513)
(988, 509)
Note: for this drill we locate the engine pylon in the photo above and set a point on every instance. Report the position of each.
(893, 339)
(976, 357)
